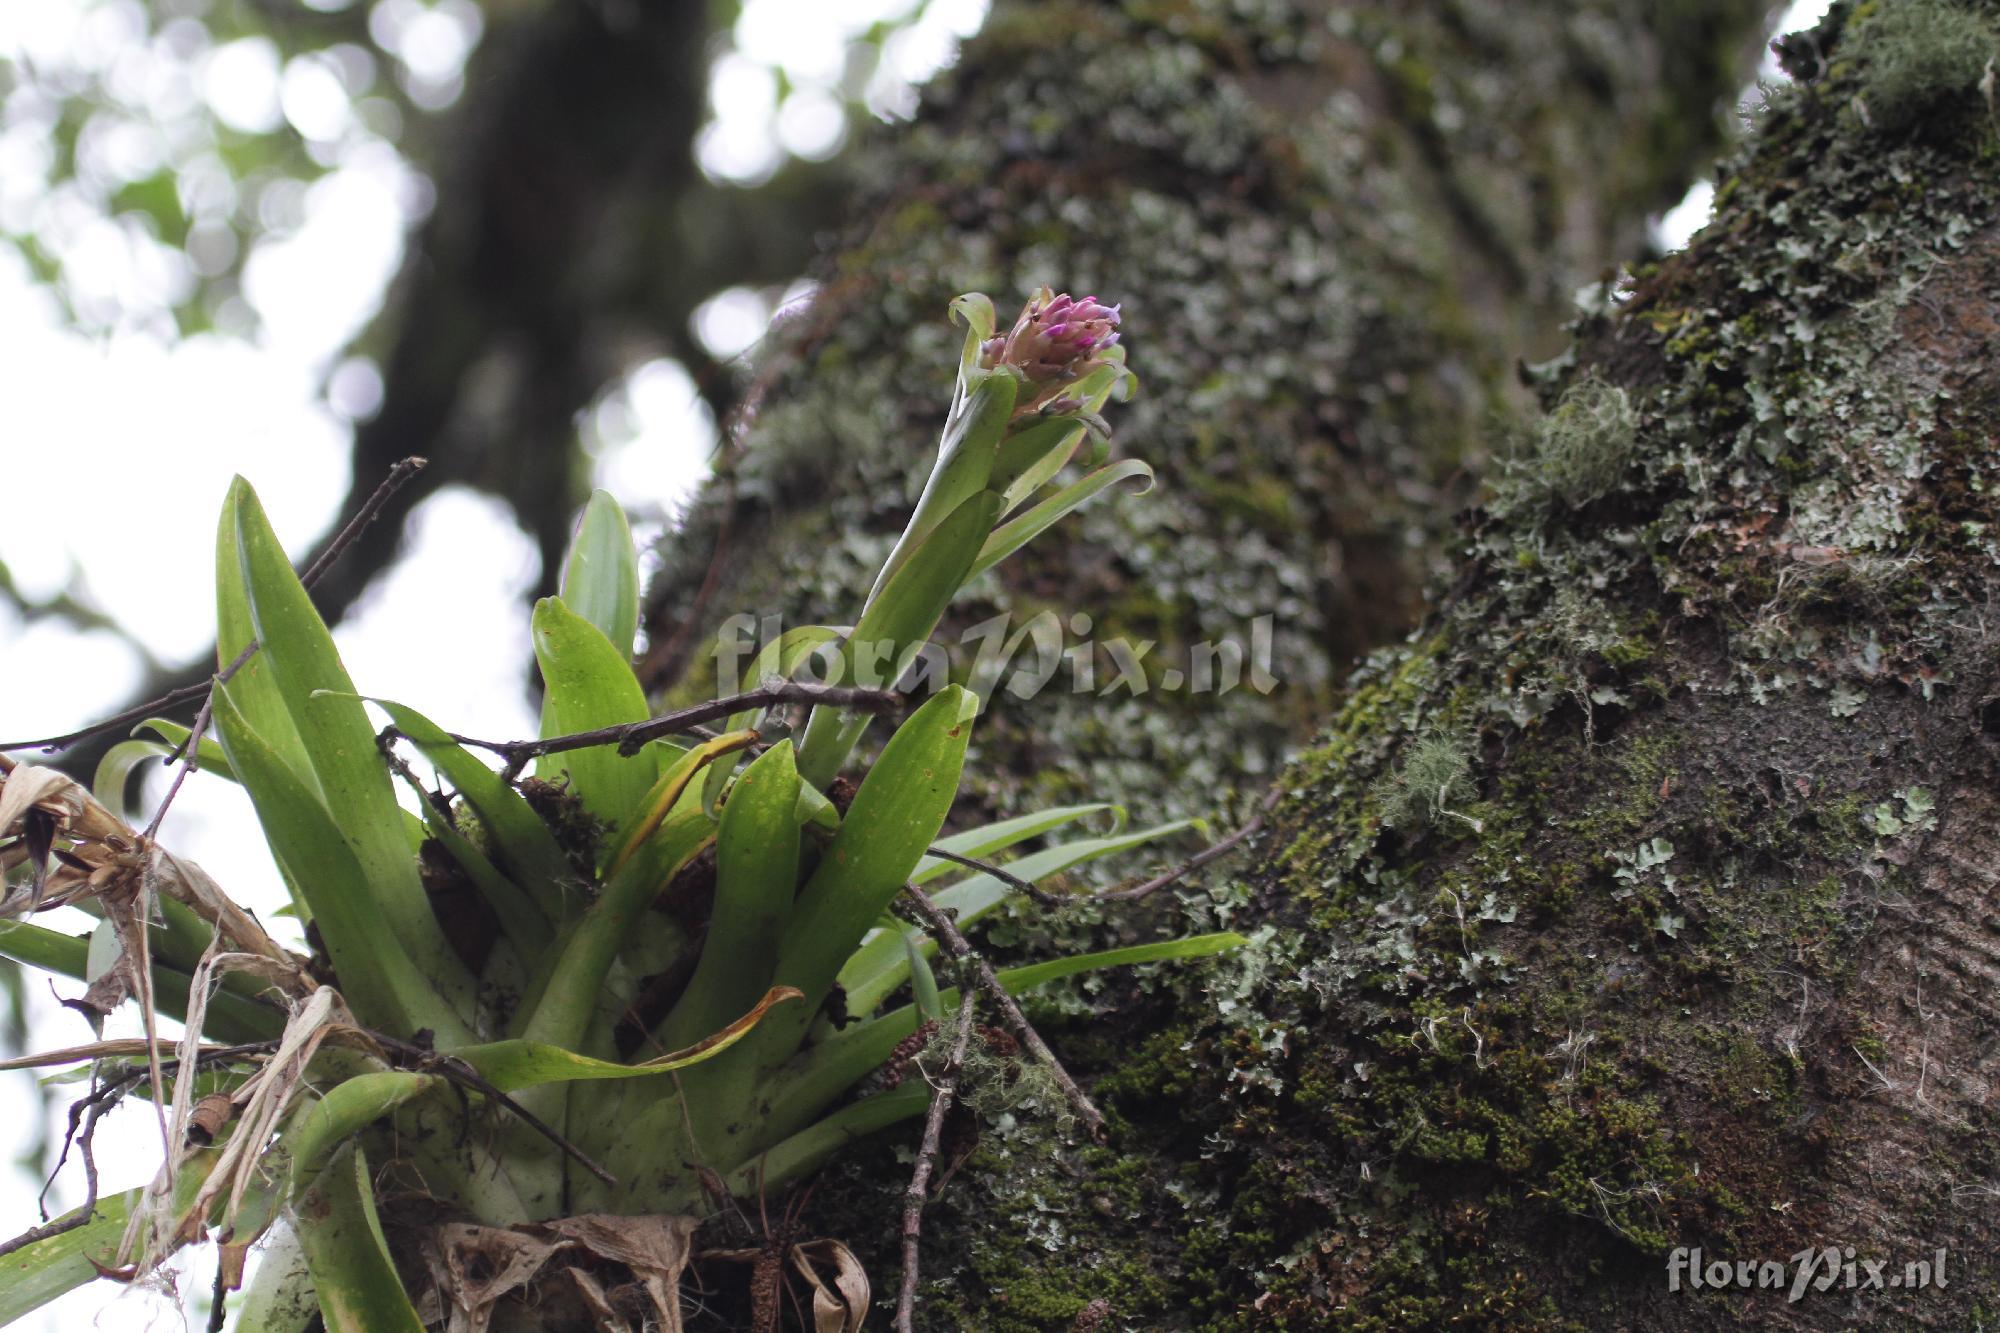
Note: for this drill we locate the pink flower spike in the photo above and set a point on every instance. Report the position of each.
(1053, 339)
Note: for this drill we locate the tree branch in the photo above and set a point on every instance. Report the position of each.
(1214, 851)
(940, 924)
(943, 1088)
(632, 735)
(399, 475)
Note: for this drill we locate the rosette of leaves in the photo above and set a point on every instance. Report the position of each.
(551, 1019)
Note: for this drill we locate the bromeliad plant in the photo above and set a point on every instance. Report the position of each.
(500, 1051)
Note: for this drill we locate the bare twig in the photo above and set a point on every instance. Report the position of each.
(1012, 881)
(943, 1088)
(463, 1074)
(83, 1212)
(940, 924)
(187, 753)
(136, 713)
(398, 476)
(633, 735)
(84, 1114)
(218, 1305)
(1212, 852)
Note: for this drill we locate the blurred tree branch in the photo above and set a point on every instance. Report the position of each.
(571, 225)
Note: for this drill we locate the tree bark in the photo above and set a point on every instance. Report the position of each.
(1334, 229)
(1640, 903)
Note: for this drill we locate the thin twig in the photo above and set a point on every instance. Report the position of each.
(633, 735)
(463, 1074)
(188, 753)
(137, 713)
(954, 943)
(1012, 881)
(1205, 855)
(83, 1212)
(398, 476)
(218, 1305)
(84, 1114)
(943, 1088)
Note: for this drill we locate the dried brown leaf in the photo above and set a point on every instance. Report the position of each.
(484, 1264)
(840, 1307)
(599, 1305)
(656, 1247)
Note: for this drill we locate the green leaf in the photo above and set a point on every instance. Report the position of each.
(352, 1273)
(333, 725)
(279, 1298)
(349, 1107)
(256, 681)
(878, 966)
(527, 850)
(999, 836)
(965, 461)
(832, 1066)
(893, 629)
(895, 816)
(756, 875)
(975, 311)
(600, 578)
(209, 756)
(36, 1274)
(1032, 454)
(230, 1017)
(807, 1150)
(377, 975)
(1016, 533)
(588, 684)
(815, 809)
(923, 984)
(115, 770)
(1018, 979)
(516, 1063)
(776, 660)
(565, 1004)
(660, 801)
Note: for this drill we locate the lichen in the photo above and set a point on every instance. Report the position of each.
(1577, 453)
(1436, 776)
(1324, 226)
(1491, 1076)
(1921, 56)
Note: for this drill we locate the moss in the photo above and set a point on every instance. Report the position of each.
(1446, 1077)
(1460, 1070)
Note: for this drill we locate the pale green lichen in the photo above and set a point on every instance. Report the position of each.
(1435, 779)
(1920, 56)
(1578, 452)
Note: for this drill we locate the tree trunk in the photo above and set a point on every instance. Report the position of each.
(1639, 903)
(1334, 229)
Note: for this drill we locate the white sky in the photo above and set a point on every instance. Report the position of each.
(117, 448)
